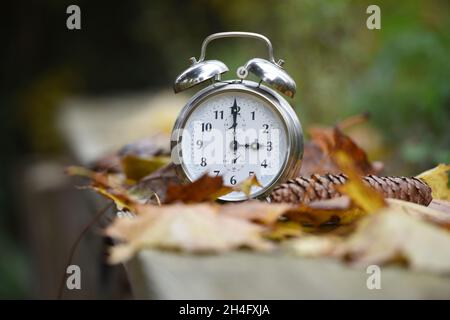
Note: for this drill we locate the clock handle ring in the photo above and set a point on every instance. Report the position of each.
(236, 34)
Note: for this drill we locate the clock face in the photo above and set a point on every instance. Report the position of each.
(234, 134)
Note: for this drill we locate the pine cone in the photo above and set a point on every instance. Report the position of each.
(322, 187)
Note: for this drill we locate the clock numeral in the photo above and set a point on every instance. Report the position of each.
(206, 127)
(253, 115)
(233, 180)
(217, 172)
(218, 114)
(266, 128)
(199, 144)
(264, 164)
(269, 145)
(203, 162)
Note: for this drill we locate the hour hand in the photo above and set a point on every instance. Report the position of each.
(254, 145)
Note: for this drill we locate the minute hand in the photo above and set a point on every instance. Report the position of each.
(234, 112)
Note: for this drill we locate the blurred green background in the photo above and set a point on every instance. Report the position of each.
(398, 74)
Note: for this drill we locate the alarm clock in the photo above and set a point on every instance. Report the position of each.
(238, 128)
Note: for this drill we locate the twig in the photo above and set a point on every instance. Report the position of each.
(77, 242)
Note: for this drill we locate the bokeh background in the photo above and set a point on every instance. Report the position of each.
(58, 86)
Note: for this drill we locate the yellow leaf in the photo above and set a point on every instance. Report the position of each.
(283, 230)
(121, 201)
(136, 167)
(246, 185)
(438, 180)
(362, 195)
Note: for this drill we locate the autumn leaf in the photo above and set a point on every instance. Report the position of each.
(246, 185)
(257, 211)
(284, 230)
(391, 236)
(206, 188)
(361, 194)
(313, 246)
(113, 186)
(159, 181)
(438, 179)
(317, 152)
(197, 228)
(440, 205)
(157, 145)
(136, 168)
(317, 213)
(330, 141)
(437, 213)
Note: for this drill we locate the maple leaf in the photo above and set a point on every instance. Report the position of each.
(438, 180)
(193, 228)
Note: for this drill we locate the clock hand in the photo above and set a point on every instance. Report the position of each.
(234, 112)
(255, 145)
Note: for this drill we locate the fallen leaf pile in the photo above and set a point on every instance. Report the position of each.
(358, 224)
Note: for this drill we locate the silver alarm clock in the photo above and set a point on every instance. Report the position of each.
(238, 128)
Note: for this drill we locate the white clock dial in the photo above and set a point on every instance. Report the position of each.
(234, 134)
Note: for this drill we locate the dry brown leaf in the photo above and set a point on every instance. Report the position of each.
(159, 181)
(332, 211)
(430, 214)
(153, 146)
(257, 211)
(438, 180)
(110, 185)
(206, 188)
(192, 228)
(440, 205)
(330, 141)
(392, 235)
